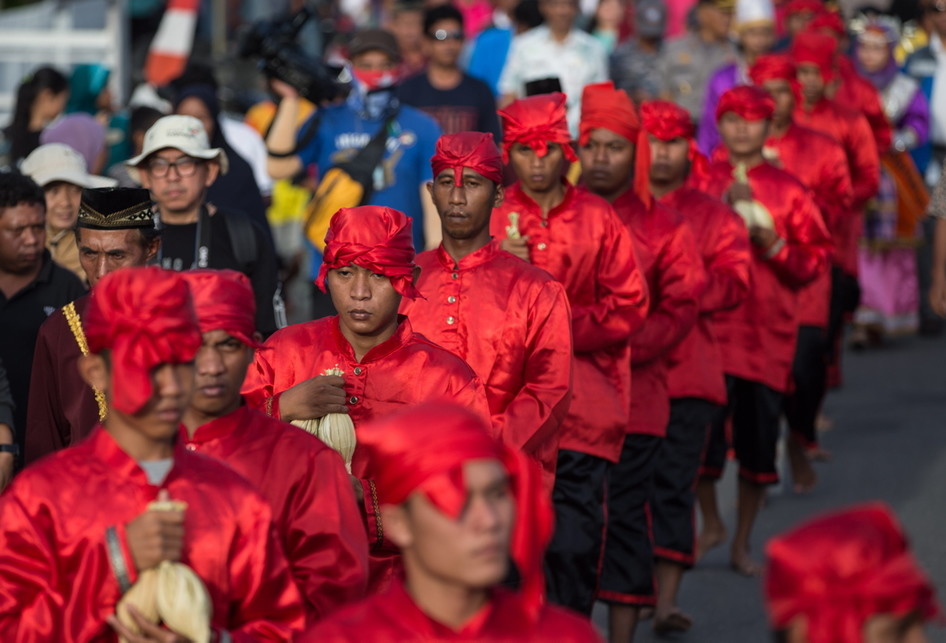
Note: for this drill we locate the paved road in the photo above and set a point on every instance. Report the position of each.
(889, 443)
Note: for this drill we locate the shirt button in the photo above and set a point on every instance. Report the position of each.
(455, 275)
(542, 246)
(353, 399)
(191, 446)
(451, 320)
(358, 370)
(451, 299)
(545, 223)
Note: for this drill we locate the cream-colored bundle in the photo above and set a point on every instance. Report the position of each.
(753, 213)
(512, 230)
(170, 593)
(334, 429)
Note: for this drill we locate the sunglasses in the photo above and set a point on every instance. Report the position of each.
(443, 34)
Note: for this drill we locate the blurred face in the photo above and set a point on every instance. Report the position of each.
(408, 29)
(812, 82)
(781, 91)
(873, 54)
(366, 301)
(742, 137)
(798, 21)
(171, 388)
(62, 204)
(220, 368)
(607, 162)
(538, 174)
(50, 105)
(464, 209)
(184, 182)
(757, 39)
(471, 551)
(935, 16)
(718, 22)
(559, 15)
(22, 238)
(669, 160)
(105, 251)
(195, 107)
(444, 42)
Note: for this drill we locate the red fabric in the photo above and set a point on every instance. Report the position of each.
(746, 101)
(695, 366)
(851, 130)
(803, 6)
(757, 339)
(666, 121)
(474, 150)
(511, 323)
(666, 253)
(374, 238)
(144, 317)
(828, 21)
(452, 436)
(859, 95)
(310, 493)
(58, 584)
(406, 369)
(537, 121)
(815, 48)
(224, 300)
(773, 67)
(582, 243)
(394, 616)
(839, 570)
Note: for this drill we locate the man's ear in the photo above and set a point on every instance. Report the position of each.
(397, 526)
(499, 196)
(94, 371)
(430, 188)
(213, 171)
(152, 250)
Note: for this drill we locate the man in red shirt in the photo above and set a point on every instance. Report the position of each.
(667, 254)
(77, 530)
(460, 506)
(304, 481)
(508, 319)
(695, 380)
(368, 267)
(575, 236)
(757, 339)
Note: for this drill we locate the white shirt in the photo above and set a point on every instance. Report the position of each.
(938, 98)
(578, 61)
(247, 142)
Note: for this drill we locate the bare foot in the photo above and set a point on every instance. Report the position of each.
(818, 454)
(824, 423)
(742, 563)
(674, 621)
(803, 474)
(710, 537)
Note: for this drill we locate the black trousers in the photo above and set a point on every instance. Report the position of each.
(810, 374)
(675, 476)
(574, 553)
(627, 571)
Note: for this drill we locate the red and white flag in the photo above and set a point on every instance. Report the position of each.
(173, 42)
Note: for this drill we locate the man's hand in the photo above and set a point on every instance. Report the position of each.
(155, 536)
(739, 192)
(6, 459)
(283, 89)
(765, 238)
(313, 398)
(938, 295)
(518, 247)
(150, 633)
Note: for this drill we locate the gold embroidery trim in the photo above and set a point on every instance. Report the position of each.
(75, 325)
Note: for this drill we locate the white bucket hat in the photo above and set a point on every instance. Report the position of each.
(59, 162)
(183, 133)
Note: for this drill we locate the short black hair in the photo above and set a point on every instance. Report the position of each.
(143, 117)
(18, 189)
(148, 235)
(527, 14)
(442, 12)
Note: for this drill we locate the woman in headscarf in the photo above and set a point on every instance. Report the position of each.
(89, 93)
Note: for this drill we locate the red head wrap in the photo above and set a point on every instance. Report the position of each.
(815, 48)
(830, 21)
(423, 449)
(145, 318)
(839, 570)
(474, 150)
(804, 6)
(374, 238)
(224, 301)
(537, 121)
(776, 67)
(666, 121)
(747, 101)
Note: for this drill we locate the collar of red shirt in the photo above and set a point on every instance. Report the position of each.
(400, 337)
(401, 605)
(122, 465)
(515, 194)
(220, 427)
(476, 258)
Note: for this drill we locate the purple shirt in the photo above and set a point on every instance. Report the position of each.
(724, 79)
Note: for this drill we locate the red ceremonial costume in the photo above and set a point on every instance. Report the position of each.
(64, 559)
(834, 573)
(304, 481)
(402, 371)
(423, 450)
(508, 320)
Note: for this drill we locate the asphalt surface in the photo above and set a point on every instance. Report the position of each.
(888, 443)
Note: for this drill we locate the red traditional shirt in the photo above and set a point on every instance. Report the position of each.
(695, 367)
(310, 493)
(858, 94)
(667, 254)
(583, 244)
(394, 617)
(757, 339)
(402, 371)
(56, 560)
(511, 322)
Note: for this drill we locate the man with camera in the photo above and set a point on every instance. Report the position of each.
(343, 129)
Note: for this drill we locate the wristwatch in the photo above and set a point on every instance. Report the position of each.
(10, 448)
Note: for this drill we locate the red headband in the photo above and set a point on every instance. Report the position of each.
(145, 318)
(815, 48)
(423, 449)
(776, 67)
(666, 121)
(803, 6)
(224, 301)
(374, 238)
(537, 121)
(839, 570)
(474, 150)
(746, 101)
(830, 21)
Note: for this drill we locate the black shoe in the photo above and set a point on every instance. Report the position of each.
(931, 327)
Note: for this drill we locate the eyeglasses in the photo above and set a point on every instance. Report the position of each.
(443, 34)
(185, 166)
